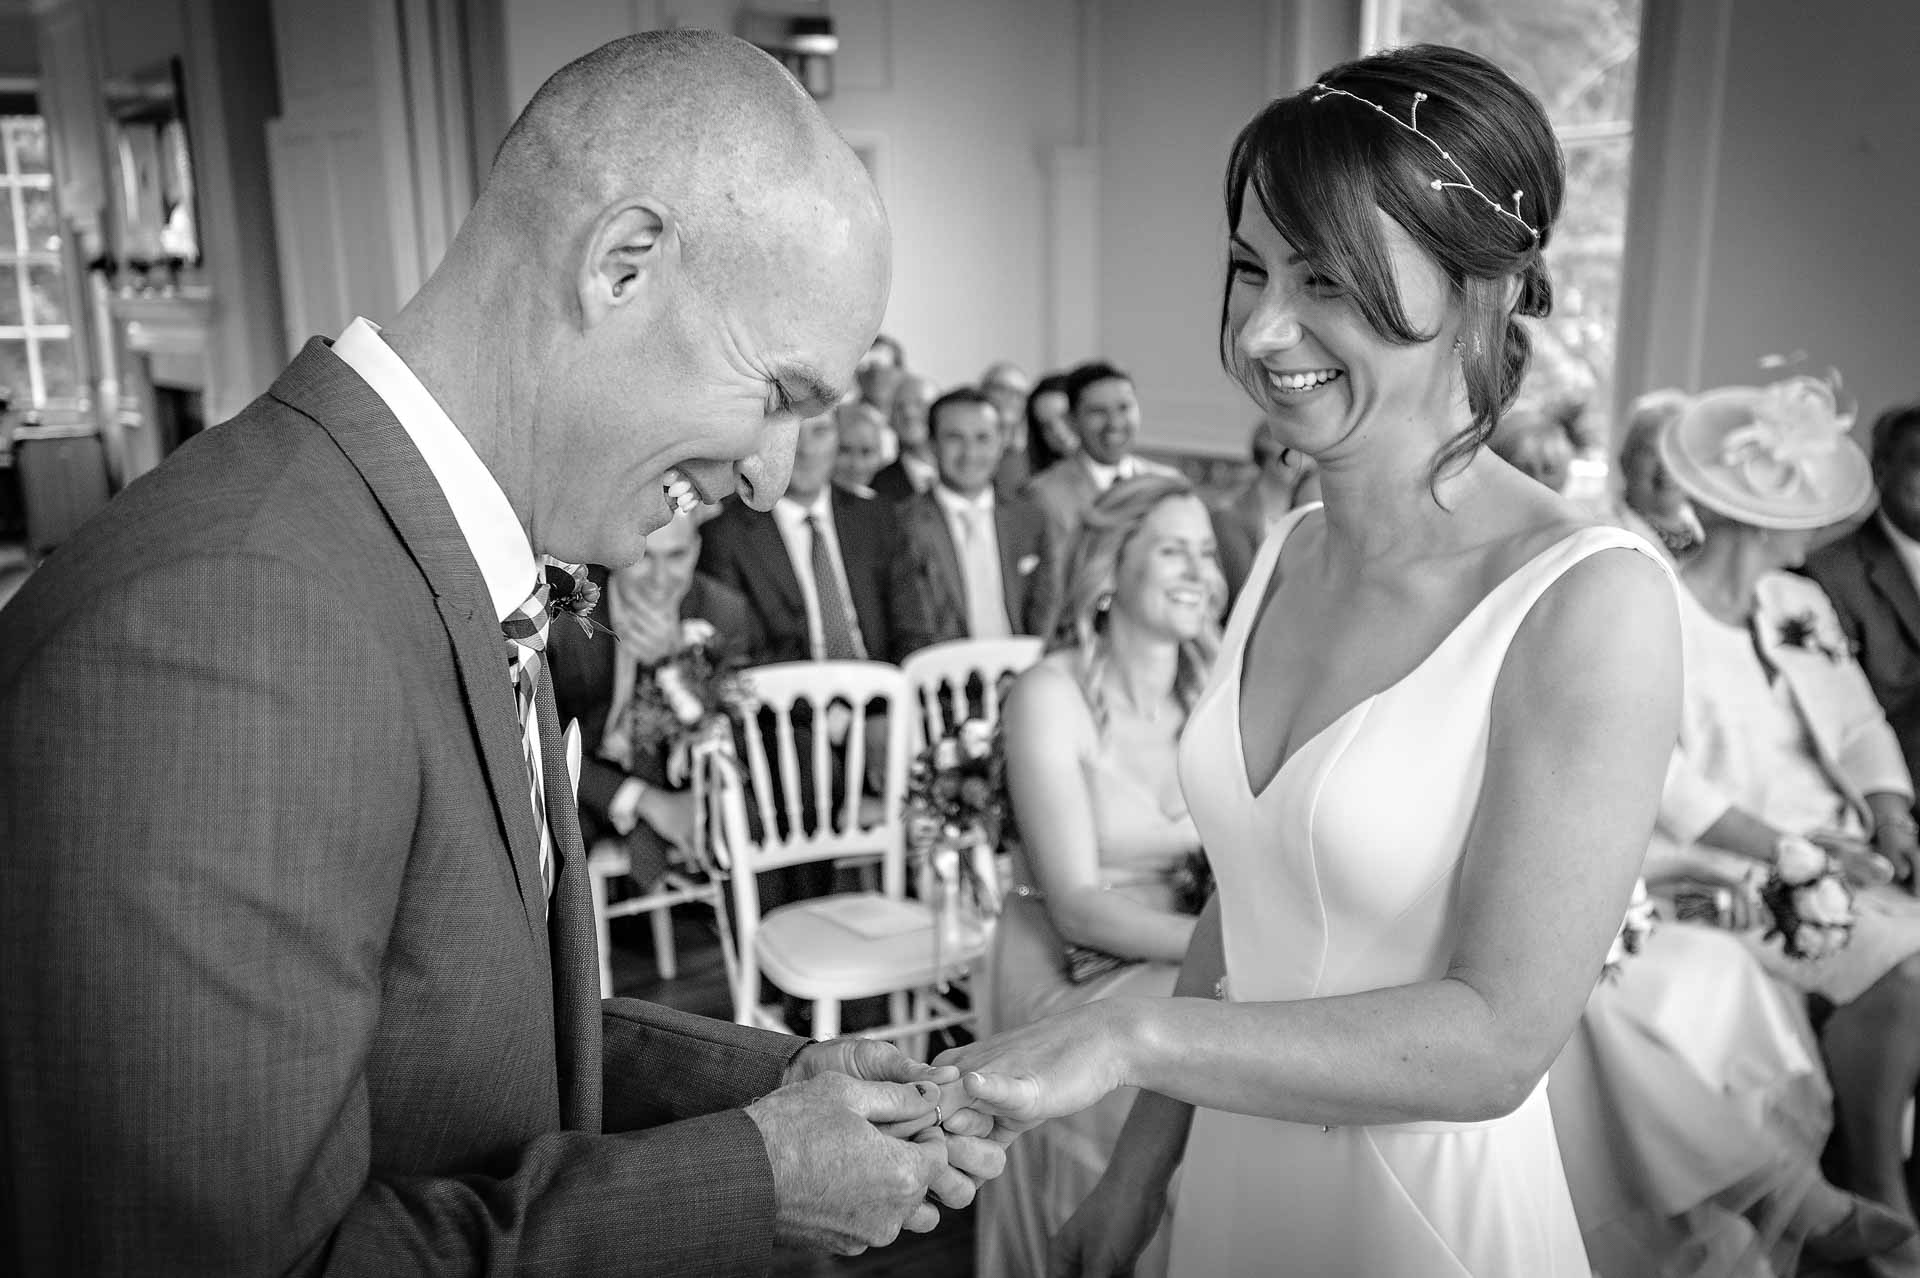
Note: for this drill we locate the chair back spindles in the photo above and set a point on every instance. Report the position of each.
(946, 676)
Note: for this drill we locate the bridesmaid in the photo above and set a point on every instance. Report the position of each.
(1106, 843)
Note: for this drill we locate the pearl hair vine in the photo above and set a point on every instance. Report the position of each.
(1412, 125)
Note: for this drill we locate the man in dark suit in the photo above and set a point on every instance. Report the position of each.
(297, 964)
(820, 570)
(1870, 575)
(627, 791)
(976, 565)
(913, 471)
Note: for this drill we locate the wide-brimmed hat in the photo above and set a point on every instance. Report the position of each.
(1774, 456)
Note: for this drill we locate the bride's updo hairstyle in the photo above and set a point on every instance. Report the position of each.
(1321, 163)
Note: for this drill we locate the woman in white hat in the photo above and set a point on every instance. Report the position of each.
(1784, 754)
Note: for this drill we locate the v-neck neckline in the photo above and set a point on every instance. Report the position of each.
(1271, 588)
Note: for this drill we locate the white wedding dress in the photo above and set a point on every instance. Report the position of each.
(1341, 876)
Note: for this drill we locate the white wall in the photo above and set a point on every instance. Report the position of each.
(962, 103)
(1781, 166)
(1176, 84)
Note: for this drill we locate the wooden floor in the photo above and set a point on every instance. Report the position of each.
(700, 986)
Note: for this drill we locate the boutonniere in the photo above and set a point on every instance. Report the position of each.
(1802, 631)
(571, 591)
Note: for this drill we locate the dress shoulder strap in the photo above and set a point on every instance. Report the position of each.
(1253, 592)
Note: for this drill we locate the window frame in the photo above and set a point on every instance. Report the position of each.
(17, 252)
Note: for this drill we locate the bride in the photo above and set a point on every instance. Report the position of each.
(1427, 763)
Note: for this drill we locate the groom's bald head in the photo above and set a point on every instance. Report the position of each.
(704, 123)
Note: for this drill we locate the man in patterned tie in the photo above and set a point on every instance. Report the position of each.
(296, 963)
(819, 569)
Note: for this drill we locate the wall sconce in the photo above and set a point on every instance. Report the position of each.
(804, 44)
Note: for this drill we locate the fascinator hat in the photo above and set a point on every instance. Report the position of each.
(1775, 456)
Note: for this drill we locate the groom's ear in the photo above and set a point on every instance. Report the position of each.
(633, 246)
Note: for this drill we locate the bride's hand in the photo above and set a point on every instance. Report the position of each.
(1107, 1233)
(1053, 1067)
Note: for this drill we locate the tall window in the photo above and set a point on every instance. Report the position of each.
(1579, 57)
(36, 339)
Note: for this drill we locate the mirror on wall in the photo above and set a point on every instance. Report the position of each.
(155, 215)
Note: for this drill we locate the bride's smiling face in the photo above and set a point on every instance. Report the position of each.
(1298, 344)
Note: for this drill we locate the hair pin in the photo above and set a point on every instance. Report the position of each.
(1412, 125)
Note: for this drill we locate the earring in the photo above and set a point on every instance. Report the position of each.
(1104, 602)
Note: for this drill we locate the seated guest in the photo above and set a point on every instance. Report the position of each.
(1651, 504)
(975, 563)
(879, 372)
(816, 569)
(913, 471)
(1691, 1108)
(1106, 418)
(1105, 906)
(1283, 478)
(1783, 746)
(1050, 434)
(1007, 385)
(625, 793)
(862, 445)
(1870, 574)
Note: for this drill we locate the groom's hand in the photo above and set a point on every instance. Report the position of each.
(971, 1160)
(872, 1059)
(839, 1183)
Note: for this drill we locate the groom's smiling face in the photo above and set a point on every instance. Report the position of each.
(701, 351)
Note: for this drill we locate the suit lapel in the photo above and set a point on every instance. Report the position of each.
(1006, 529)
(320, 385)
(775, 566)
(576, 965)
(1890, 577)
(943, 564)
(857, 555)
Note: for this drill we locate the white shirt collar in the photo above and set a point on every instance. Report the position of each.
(955, 504)
(792, 513)
(1105, 476)
(480, 507)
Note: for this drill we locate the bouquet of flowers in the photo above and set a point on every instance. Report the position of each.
(686, 697)
(1633, 933)
(1812, 910)
(956, 816)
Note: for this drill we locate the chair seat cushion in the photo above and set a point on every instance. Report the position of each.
(856, 944)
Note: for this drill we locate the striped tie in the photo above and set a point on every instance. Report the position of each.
(525, 629)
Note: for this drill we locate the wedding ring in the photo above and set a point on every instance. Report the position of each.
(938, 1117)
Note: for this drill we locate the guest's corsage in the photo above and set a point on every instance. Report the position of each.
(1810, 905)
(1802, 631)
(694, 692)
(1635, 928)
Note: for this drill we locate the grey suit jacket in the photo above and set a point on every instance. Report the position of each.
(277, 983)
(929, 573)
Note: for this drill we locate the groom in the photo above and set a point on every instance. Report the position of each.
(296, 959)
